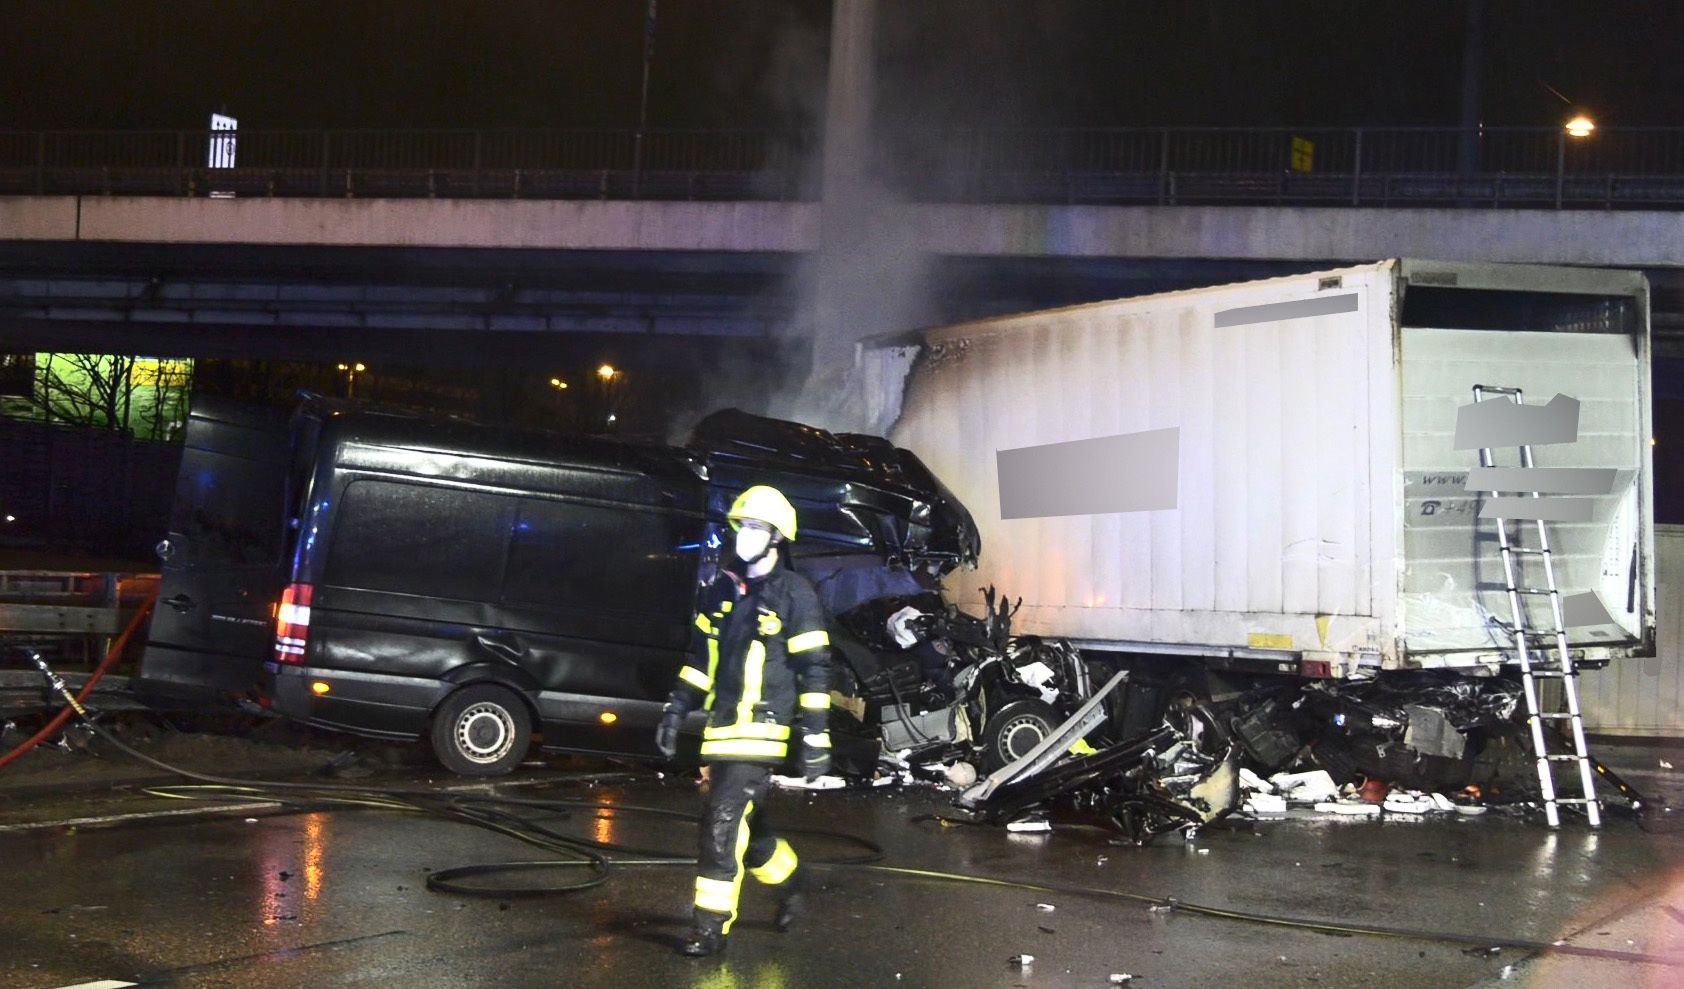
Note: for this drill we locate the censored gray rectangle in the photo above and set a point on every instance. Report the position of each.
(1501, 422)
(1544, 480)
(1580, 610)
(1537, 509)
(1324, 305)
(1131, 472)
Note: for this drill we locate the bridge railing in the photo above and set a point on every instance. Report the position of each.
(1501, 166)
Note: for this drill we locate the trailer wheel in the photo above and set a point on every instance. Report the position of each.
(1016, 728)
(481, 730)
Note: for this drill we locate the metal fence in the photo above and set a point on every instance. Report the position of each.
(1514, 166)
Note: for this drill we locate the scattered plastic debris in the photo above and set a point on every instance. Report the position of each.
(1665, 764)
(1121, 978)
(1022, 961)
(1407, 802)
(1308, 788)
(802, 783)
(1265, 805)
(1349, 808)
(961, 774)
(1028, 825)
(1045, 907)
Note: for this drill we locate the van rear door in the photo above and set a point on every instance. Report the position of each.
(224, 561)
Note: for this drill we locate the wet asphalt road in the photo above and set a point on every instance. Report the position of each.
(337, 898)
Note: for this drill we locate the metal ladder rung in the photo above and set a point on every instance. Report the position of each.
(1563, 757)
(1554, 716)
(1520, 551)
(1577, 800)
(1547, 674)
(1542, 591)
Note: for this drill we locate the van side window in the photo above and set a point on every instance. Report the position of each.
(567, 556)
(419, 539)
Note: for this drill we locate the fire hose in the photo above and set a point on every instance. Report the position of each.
(75, 708)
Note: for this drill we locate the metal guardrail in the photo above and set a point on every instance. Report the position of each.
(1540, 167)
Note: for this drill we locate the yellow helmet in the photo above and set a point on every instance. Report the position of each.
(763, 503)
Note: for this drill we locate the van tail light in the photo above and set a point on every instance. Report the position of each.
(292, 623)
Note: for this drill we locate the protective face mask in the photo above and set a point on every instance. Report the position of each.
(752, 543)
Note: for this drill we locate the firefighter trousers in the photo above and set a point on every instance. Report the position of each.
(735, 837)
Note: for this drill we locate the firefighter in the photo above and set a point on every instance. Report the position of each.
(761, 668)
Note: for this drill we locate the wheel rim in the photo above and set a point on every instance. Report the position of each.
(485, 733)
(1020, 735)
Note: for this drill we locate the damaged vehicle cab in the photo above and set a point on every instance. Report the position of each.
(436, 578)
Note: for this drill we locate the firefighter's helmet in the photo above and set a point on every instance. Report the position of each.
(763, 503)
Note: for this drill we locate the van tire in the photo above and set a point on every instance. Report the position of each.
(1014, 729)
(482, 730)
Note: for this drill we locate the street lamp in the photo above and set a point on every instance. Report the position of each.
(558, 384)
(1580, 126)
(611, 377)
(351, 372)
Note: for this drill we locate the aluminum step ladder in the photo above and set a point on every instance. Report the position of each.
(1542, 652)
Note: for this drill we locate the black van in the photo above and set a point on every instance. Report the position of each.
(402, 576)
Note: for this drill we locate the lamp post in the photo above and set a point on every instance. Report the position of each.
(610, 376)
(558, 388)
(1578, 128)
(351, 372)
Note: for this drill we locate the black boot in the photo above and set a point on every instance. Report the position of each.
(792, 899)
(707, 936)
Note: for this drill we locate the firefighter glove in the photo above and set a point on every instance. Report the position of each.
(815, 755)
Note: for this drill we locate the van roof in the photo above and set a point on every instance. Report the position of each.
(462, 437)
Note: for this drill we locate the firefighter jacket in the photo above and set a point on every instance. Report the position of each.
(762, 661)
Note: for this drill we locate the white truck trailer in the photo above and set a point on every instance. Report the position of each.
(1266, 476)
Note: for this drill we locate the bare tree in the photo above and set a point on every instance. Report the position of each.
(120, 393)
(87, 390)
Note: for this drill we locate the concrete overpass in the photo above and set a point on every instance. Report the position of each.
(496, 281)
(1613, 238)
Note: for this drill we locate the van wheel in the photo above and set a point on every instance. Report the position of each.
(1015, 729)
(483, 730)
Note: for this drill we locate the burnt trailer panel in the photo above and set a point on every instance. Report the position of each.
(1270, 471)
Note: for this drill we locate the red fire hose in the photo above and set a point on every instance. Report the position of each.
(110, 660)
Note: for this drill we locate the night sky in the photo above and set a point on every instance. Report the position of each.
(761, 64)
